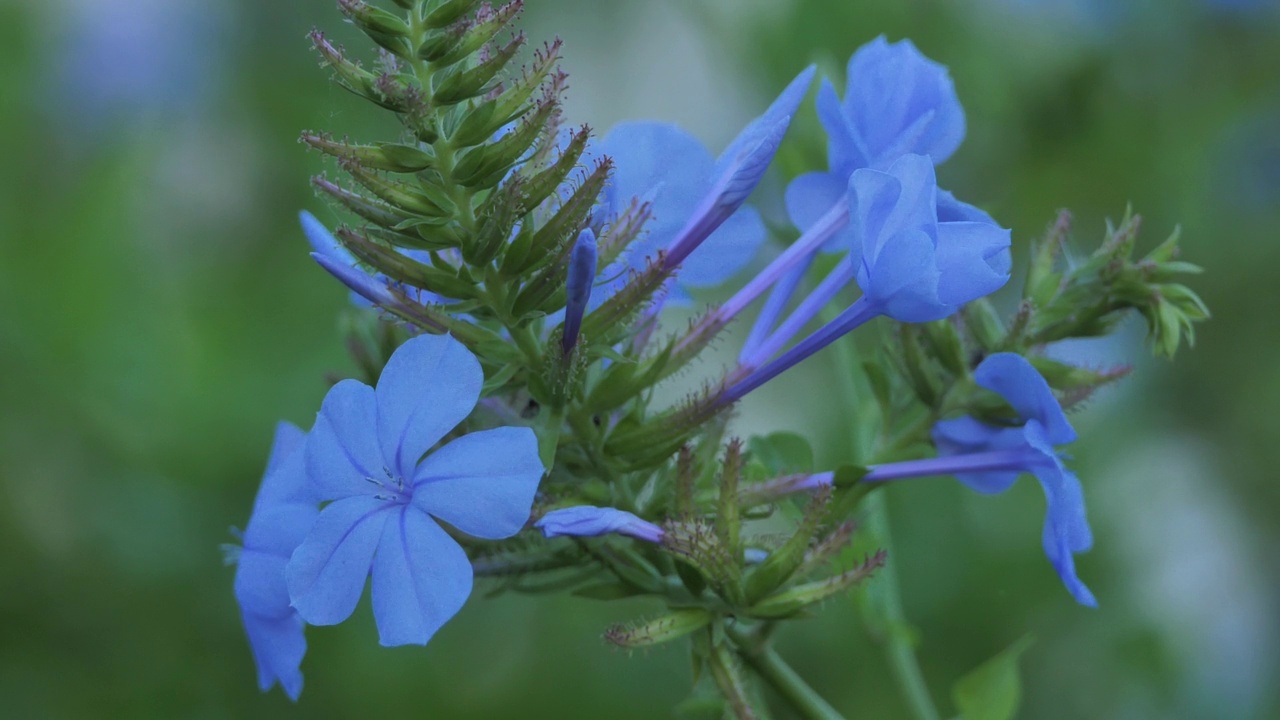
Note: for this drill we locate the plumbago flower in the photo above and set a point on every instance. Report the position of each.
(989, 458)
(896, 102)
(1026, 448)
(282, 514)
(696, 202)
(912, 266)
(365, 456)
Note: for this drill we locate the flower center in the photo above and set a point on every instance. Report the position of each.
(392, 487)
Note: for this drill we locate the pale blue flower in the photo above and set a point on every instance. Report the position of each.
(696, 202)
(911, 266)
(896, 102)
(988, 458)
(370, 454)
(282, 514)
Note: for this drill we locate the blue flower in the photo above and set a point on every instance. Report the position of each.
(911, 266)
(696, 202)
(896, 102)
(588, 521)
(366, 456)
(282, 514)
(1028, 447)
(366, 289)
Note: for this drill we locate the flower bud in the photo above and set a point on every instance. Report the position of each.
(655, 632)
(582, 273)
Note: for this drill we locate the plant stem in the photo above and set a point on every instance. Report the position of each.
(770, 666)
(888, 600)
(898, 647)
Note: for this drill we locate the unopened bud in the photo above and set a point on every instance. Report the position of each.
(655, 632)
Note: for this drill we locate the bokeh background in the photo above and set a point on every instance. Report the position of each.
(158, 314)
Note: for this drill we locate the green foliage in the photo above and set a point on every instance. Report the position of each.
(992, 691)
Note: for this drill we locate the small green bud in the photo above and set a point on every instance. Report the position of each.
(669, 627)
(418, 198)
(453, 44)
(728, 518)
(389, 31)
(465, 84)
(984, 325)
(485, 165)
(791, 602)
(783, 562)
(622, 381)
(943, 341)
(513, 102)
(498, 216)
(611, 318)
(921, 373)
(827, 549)
(1042, 280)
(372, 210)
(379, 156)
(696, 542)
(396, 93)
(404, 269)
(449, 12)
(541, 185)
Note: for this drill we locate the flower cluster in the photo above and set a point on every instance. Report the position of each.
(509, 277)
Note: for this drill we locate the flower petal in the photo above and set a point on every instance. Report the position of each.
(288, 438)
(1012, 377)
(342, 451)
(898, 101)
(259, 585)
(844, 153)
(278, 646)
(726, 251)
(810, 196)
(482, 483)
(278, 528)
(885, 205)
(766, 126)
(327, 572)
(974, 259)
(322, 241)
(965, 435)
(661, 164)
(952, 210)
(421, 578)
(430, 384)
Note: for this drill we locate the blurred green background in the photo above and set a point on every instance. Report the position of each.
(158, 314)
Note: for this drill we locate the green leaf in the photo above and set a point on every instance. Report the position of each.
(992, 691)
(782, 453)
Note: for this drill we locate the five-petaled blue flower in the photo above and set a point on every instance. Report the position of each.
(282, 514)
(366, 456)
(1028, 447)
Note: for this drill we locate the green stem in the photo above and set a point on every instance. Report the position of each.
(770, 666)
(898, 646)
